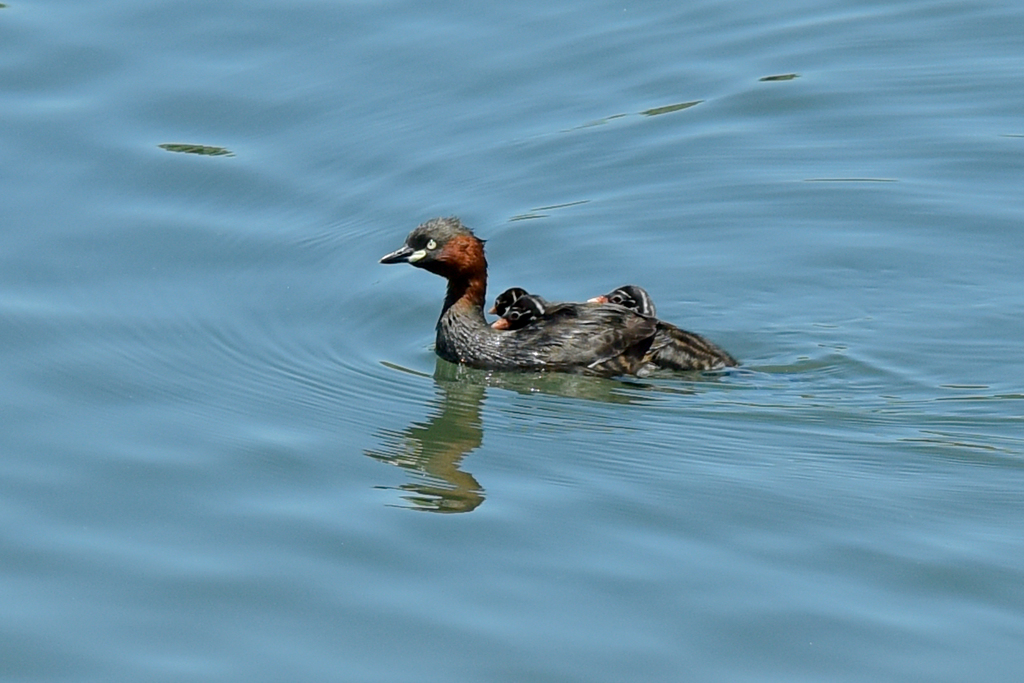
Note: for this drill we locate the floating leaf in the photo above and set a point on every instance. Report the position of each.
(667, 109)
(562, 206)
(599, 122)
(205, 150)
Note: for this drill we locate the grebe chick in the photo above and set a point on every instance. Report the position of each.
(673, 348)
(632, 297)
(506, 299)
(523, 311)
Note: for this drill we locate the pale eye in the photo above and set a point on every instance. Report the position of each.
(431, 245)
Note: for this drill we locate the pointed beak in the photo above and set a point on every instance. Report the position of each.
(399, 255)
(492, 310)
(596, 300)
(500, 324)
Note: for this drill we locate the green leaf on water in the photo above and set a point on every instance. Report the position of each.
(205, 150)
(669, 108)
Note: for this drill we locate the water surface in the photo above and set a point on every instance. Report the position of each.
(226, 437)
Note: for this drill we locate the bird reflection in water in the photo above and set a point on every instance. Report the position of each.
(433, 450)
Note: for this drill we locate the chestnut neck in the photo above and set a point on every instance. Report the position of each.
(465, 266)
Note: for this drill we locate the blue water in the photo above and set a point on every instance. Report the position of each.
(230, 454)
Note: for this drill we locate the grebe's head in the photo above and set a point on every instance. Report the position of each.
(629, 296)
(443, 246)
